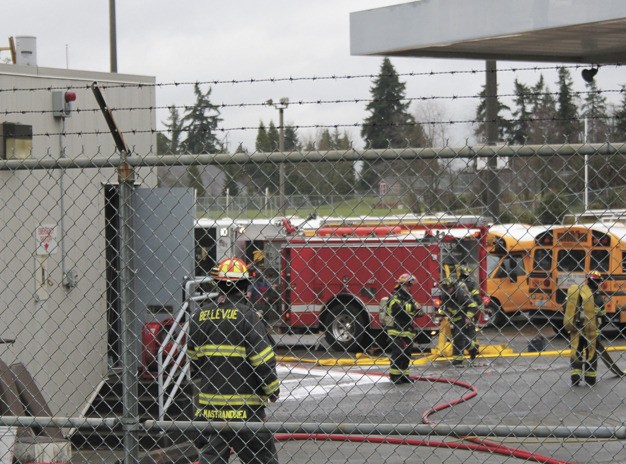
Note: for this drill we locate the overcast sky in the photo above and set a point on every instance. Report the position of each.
(206, 40)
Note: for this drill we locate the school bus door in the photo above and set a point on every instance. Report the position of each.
(507, 285)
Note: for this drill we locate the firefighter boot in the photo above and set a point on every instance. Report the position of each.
(590, 379)
(473, 352)
(575, 380)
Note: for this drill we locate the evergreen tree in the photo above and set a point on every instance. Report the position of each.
(291, 139)
(232, 173)
(390, 124)
(606, 173)
(619, 118)
(200, 124)
(543, 114)
(262, 140)
(266, 175)
(162, 143)
(532, 171)
(331, 177)
(568, 127)
(521, 115)
(504, 125)
(594, 110)
(174, 127)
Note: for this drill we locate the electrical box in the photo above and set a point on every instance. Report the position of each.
(62, 103)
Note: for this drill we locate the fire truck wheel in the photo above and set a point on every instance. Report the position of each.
(346, 328)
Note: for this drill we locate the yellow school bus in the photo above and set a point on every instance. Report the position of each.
(509, 263)
(563, 255)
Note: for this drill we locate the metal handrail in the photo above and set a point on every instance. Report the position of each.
(172, 370)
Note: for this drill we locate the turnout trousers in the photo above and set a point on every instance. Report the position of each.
(400, 358)
(463, 338)
(251, 447)
(583, 358)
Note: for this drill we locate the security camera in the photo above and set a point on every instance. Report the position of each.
(589, 74)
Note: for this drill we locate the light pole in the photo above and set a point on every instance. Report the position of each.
(282, 104)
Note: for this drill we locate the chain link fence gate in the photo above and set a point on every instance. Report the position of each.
(102, 269)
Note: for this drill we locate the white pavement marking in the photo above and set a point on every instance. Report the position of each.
(311, 385)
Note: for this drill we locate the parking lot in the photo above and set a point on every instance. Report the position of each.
(514, 388)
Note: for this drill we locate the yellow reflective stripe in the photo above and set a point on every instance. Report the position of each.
(230, 400)
(399, 333)
(395, 371)
(221, 350)
(591, 374)
(576, 371)
(191, 352)
(263, 357)
(271, 388)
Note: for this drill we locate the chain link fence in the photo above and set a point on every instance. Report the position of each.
(117, 343)
(103, 270)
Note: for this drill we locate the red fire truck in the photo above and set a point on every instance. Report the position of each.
(336, 282)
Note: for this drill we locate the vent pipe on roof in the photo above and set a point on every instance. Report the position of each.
(26, 50)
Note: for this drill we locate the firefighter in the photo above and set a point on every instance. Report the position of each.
(402, 309)
(583, 318)
(234, 369)
(466, 276)
(460, 309)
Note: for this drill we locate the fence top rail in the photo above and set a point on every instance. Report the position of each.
(480, 151)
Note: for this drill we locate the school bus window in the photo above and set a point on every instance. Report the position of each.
(492, 263)
(543, 260)
(624, 261)
(512, 266)
(571, 260)
(600, 260)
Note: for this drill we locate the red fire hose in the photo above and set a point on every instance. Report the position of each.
(469, 444)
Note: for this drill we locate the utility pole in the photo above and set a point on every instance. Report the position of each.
(112, 36)
(281, 106)
(491, 115)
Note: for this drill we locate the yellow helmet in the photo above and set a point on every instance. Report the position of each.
(594, 275)
(230, 270)
(463, 271)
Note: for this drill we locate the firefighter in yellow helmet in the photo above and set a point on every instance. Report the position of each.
(460, 309)
(466, 276)
(234, 369)
(401, 309)
(583, 318)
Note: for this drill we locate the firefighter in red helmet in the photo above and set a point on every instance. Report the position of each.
(583, 318)
(401, 308)
(234, 369)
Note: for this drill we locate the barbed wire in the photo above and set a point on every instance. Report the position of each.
(329, 126)
(109, 85)
(329, 102)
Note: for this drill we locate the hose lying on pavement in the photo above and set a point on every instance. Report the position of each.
(468, 443)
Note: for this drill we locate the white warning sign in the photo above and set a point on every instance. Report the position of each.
(46, 236)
